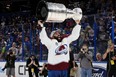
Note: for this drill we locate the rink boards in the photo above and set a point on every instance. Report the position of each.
(99, 69)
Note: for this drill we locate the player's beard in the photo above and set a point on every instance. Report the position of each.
(59, 39)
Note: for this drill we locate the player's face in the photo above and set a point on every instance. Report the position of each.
(57, 36)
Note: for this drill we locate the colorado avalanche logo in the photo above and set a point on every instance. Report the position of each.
(61, 50)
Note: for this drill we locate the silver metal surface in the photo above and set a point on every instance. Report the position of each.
(56, 12)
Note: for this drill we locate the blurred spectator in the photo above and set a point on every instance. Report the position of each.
(115, 34)
(91, 36)
(3, 51)
(27, 46)
(110, 57)
(72, 71)
(85, 58)
(99, 57)
(32, 64)
(44, 71)
(102, 37)
(20, 52)
(82, 39)
(14, 48)
(9, 40)
(10, 63)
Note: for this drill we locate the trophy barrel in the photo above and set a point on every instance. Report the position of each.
(51, 12)
(57, 12)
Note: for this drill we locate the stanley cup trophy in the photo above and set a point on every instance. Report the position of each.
(56, 12)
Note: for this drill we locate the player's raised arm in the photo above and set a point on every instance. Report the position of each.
(75, 33)
(76, 30)
(43, 35)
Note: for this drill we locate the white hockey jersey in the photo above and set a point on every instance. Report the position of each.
(58, 52)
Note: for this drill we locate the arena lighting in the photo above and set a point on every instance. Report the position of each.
(8, 6)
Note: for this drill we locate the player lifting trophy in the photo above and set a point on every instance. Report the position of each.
(58, 46)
